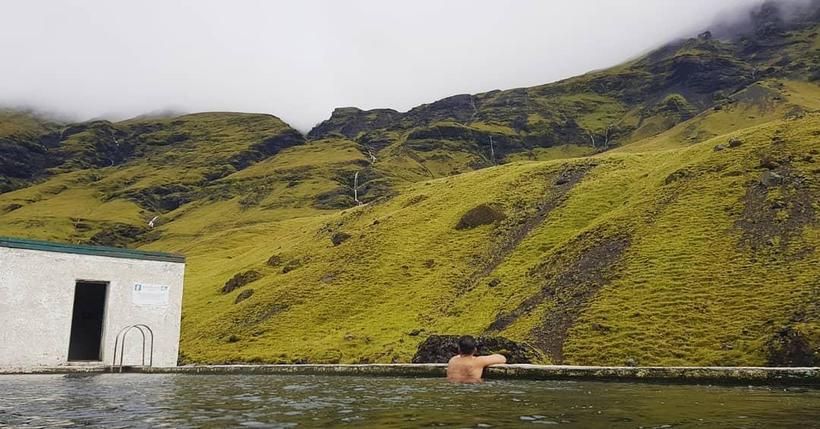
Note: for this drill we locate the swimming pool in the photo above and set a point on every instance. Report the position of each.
(183, 400)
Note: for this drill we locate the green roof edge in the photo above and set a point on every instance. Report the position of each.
(79, 249)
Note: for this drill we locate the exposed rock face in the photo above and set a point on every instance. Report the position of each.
(699, 71)
(92, 144)
(266, 148)
(339, 238)
(241, 279)
(291, 265)
(162, 198)
(570, 285)
(440, 348)
(349, 122)
(119, 234)
(483, 214)
(460, 107)
(789, 347)
(770, 179)
(46, 149)
(24, 147)
(22, 160)
(245, 294)
(775, 224)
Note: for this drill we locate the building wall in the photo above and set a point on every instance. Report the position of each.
(37, 298)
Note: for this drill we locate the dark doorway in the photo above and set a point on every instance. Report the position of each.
(87, 321)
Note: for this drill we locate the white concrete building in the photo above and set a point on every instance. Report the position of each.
(62, 304)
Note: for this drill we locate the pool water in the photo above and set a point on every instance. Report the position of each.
(178, 400)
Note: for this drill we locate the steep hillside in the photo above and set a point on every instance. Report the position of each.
(24, 142)
(108, 180)
(690, 256)
(661, 212)
(602, 109)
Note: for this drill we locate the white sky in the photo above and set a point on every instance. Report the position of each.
(301, 58)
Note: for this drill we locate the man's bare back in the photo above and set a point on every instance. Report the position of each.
(466, 367)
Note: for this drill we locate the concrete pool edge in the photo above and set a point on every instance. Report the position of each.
(686, 375)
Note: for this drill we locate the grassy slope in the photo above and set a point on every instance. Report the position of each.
(653, 96)
(362, 300)
(757, 104)
(14, 123)
(402, 273)
(75, 205)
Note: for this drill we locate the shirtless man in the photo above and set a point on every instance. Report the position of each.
(466, 367)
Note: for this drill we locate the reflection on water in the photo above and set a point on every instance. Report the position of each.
(154, 400)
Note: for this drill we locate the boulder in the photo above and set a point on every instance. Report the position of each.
(440, 348)
(241, 279)
(789, 347)
(245, 294)
(292, 265)
(339, 238)
(770, 179)
(483, 214)
(769, 163)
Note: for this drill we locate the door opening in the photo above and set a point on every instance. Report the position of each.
(87, 321)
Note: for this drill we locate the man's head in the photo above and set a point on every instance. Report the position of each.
(466, 345)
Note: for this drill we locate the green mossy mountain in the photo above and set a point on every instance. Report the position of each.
(598, 110)
(660, 212)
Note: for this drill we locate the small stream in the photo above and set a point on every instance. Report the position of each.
(215, 401)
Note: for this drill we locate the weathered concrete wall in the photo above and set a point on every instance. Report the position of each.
(37, 298)
(701, 375)
(666, 375)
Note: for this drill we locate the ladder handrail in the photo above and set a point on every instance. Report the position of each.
(120, 341)
(151, 350)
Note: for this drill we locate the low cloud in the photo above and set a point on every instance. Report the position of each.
(299, 60)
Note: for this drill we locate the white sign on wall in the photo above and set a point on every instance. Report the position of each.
(147, 294)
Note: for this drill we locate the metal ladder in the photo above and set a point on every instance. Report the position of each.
(120, 341)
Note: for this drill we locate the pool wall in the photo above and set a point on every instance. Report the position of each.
(690, 375)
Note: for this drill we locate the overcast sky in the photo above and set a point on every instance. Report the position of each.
(299, 59)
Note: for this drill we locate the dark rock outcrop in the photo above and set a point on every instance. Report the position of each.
(440, 348)
(241, 279)
(789, 347)
(483, 214)
(350, 122)
(119, 234)
(339, 238)
(245, 294)
(266, 148)
(292, 265)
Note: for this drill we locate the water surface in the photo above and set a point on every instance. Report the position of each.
(212, 401)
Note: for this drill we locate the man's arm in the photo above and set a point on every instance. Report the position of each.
(492, 360)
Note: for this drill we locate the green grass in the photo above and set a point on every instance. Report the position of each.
(686, 291)
(684, 264)
(17, 124)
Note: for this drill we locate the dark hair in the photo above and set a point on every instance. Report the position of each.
(466, 345)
